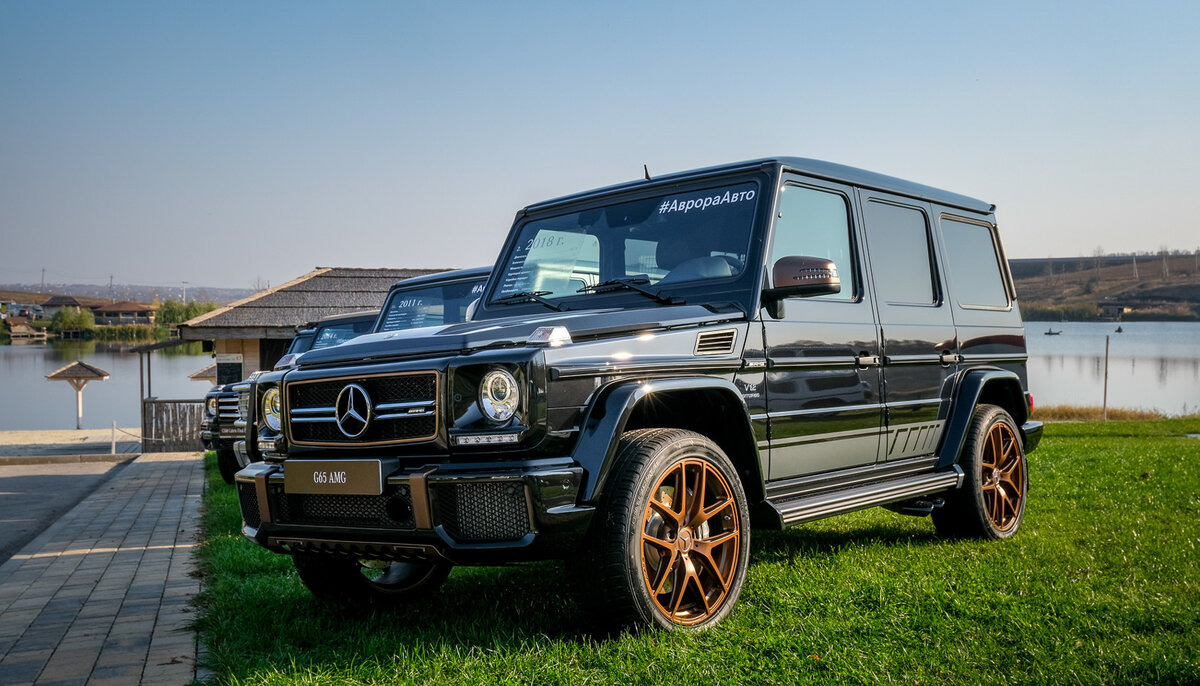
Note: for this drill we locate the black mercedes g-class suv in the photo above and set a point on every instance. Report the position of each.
(655, 368)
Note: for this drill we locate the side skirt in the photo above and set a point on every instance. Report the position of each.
(824, 495)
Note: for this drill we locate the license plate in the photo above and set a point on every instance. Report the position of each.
(344, 477)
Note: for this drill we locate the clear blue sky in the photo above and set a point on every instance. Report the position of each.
(220, 142)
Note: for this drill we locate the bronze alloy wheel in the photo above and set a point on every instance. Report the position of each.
(691, 533)
(1003, 476)
(991, 502)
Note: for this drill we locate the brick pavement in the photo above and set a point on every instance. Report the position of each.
(102, 596)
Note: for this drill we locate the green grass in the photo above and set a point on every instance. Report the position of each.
(1099, 586)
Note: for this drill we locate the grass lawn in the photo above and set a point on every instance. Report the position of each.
(1100, 585)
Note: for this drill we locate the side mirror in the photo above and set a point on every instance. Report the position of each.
(471, 310)
(803, 277)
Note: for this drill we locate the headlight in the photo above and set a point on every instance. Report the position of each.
(499, 395)
(210, 406)
(271, 409)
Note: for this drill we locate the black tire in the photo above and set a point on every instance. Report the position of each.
(991, 502)
(350, 582)
(648, 564)
(227, 463)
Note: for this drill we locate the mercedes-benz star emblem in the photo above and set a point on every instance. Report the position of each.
(353, 410)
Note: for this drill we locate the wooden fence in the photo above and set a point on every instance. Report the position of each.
(171, 425)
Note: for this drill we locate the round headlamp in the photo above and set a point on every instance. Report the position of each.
(210, 406)
(271, 409)
(499, 395)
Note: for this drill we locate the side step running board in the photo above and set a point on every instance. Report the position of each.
(826, 504)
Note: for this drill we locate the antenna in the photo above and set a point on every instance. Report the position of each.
(647, 170)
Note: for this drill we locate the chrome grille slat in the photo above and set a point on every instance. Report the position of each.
(406, 415)
(315, 410)
(400, 406)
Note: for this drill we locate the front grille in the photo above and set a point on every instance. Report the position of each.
(243, 404)
(392, 509)
(248, 498)
(403, 409)
(227, 406)
(483, 511)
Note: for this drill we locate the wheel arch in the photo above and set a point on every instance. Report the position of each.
(708, 406)
(979, 386)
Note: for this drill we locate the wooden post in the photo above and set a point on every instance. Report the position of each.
(1104, 411)
(78, 385)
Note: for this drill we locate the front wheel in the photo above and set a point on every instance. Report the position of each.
(227, 464)
(991, 502)
(346, 581)
(671, 543)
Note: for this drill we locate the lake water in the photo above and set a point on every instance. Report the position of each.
(30, 401)
(1151, 365)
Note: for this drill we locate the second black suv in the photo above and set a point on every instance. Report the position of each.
(654, 369)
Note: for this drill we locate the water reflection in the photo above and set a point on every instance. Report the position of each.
(29, 401)
(1151, 365)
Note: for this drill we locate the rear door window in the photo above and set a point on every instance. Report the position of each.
(974, 264)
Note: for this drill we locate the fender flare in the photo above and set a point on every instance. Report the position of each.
(609, 414)
(962, 408)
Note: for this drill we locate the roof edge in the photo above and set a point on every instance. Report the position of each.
(261, 294)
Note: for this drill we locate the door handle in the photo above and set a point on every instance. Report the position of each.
(949, 358)
(865, 360)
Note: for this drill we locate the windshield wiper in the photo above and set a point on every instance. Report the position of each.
(526, 296)
(634, 284)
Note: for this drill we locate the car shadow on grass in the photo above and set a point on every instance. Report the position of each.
(513, 607)
(824, 539)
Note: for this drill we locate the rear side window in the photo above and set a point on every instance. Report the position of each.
(974, 264)
(898, 239)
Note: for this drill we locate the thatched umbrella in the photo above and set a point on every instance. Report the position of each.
(78, 374)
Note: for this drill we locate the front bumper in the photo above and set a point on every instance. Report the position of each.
(215, 436)
(480, 513)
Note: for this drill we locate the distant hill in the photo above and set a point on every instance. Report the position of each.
(33, 294)
(1137, 286)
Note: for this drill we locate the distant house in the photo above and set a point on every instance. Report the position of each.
(124, 312)
(61, 302)
(253, 333)
(1112, 311)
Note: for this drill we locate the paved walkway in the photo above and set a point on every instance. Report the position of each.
(102, 596)
(59, 443)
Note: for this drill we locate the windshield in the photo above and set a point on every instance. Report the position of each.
(654, 242)
(302, 341)
(430, 306)
(333, 334)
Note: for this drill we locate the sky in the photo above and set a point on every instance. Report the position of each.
(228, 143)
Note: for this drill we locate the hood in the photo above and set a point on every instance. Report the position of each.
(513, 331)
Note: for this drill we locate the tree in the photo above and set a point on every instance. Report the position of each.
(171, 312)
(68, 319)
(175, 312)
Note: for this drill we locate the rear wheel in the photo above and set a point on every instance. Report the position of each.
(671, 542)
(991, 502)
(347, 581)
